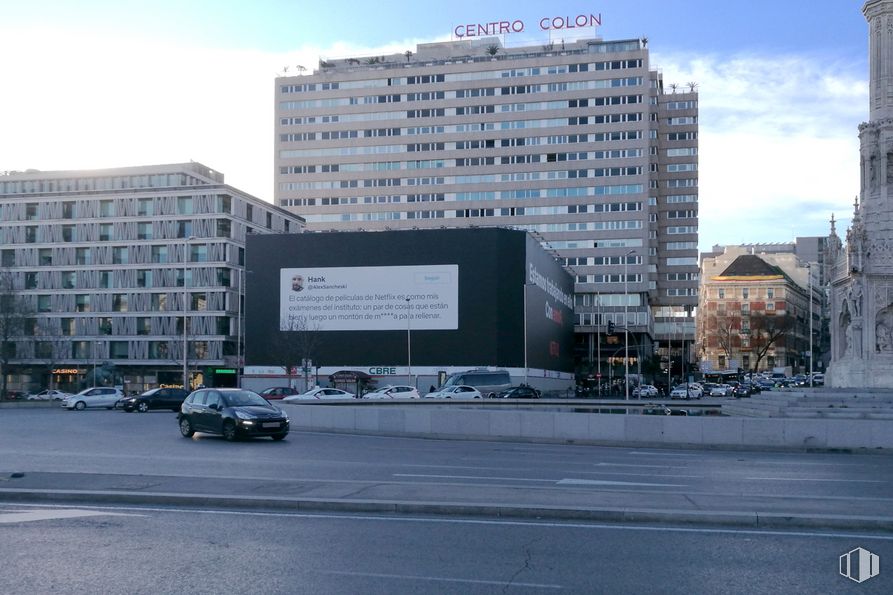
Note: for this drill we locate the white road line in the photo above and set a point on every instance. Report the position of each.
(473, 477)
(440, 579)
(53, 514)
(601, 482)
(817, 479)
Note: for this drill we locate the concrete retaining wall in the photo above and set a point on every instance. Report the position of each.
(557, 426)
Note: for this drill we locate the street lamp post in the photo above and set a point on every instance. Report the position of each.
(809, 292)
(526, 368)
(408, 343)
(626, 322)
(185, 312)
(239, 329)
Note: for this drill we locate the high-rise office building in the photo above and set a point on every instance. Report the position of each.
(107, 265)
(579, 143)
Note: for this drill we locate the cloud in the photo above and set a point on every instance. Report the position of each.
(779, 148)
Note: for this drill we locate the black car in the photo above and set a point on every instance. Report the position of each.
(519, 392)
(233, 413)
(742, 390)
(156, 398)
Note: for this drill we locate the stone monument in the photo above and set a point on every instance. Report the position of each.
(861, 270)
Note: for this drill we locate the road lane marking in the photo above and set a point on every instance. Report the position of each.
(54, 514)
(473, 477)
(440, 579)
(816, 479)
(605, 482)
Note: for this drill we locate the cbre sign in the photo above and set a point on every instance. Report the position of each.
(517, 26)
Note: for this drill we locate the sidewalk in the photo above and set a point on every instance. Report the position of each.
(541, 502)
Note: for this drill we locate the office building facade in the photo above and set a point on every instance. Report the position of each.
(578, 143)
(106, 263)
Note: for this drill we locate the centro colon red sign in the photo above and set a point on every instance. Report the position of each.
(517, 26)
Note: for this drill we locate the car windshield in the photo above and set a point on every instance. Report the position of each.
(242, 398)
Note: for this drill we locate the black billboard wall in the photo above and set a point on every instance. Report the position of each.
(460, 292)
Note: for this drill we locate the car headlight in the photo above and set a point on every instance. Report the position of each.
(284, 414)
(243, 415)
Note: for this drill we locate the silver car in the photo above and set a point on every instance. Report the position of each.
(100, 396)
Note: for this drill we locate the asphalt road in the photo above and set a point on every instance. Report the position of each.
(117, 453)
(132, 550)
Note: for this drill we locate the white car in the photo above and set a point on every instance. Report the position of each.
(322, 394)
(646, 390)
(721, 390)
(685, 392)
(458, 391)
(48, 395)
(393, 392)
(100, 396)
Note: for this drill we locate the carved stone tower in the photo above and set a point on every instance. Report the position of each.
(862, 276)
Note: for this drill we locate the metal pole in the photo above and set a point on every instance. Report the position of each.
(809, 291)
(239, 330)
(185, 312)
(626, 323)
(526, 369)
(408, 343)
(598, 337)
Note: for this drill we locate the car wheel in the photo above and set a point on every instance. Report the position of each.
(229, 431)
(80, 405)
(278, 437)
(143, 407)
(186, 427)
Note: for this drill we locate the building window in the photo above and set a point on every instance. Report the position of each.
(159, 254)
(105, 280)
(31, 234)
(143, 325)
(145, 207)
(184, 206)
(158, 350)
(721, 361)
(770, 293)
(30, 280)
(8, 259)
(45, 257)
(745, 293)
(119, 302)
(105, 232)
(82, 303)
(31, 211)
(43, 350)
(81, 350)
(68, 233)
(44, 303)
(106, 208)
(224, 228)
(68, 327)
(722, 294)
(184, 229)
(69, 279)
(118, 349)
(82, 256)
(159, 302)
(144, 278)
(119, 255)
(144, 231)
(198, 253)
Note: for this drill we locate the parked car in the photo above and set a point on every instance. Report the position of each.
(278, 392)
(518, 392)
(742, 390)
(393, 392)
(685, 392)
(48, 395)
(457, 391)
(720, 390)
(233, 413)
(645, 390)
(100, 396)
(488, 382)
(320, 393)
(156, 398)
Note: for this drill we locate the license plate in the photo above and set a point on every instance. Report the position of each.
(271, 425)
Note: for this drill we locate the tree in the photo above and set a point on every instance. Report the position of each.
(767, 330)
(492, 49)
(298, 342)
(15, 311)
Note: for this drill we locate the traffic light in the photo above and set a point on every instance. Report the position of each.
(610, 328)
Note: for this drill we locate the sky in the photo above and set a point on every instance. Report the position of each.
(95, 84)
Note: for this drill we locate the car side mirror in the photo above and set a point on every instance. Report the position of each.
(213, 406)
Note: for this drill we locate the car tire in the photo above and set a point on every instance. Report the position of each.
(80, 405)
(186, 428)
(142, 407)
(229, 431)
(278, 437)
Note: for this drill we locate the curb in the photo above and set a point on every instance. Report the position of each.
(612, 515)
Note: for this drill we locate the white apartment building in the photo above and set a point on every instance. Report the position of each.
(109, 261)
(579, 143)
